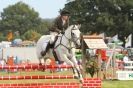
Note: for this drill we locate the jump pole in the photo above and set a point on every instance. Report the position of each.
(36, 77)
(87, 82)
(34, 66)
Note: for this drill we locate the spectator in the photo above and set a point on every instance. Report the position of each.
(125, 59)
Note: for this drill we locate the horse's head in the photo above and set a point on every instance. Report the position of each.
(75, 35)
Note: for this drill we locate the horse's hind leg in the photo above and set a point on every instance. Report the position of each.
(40, 63)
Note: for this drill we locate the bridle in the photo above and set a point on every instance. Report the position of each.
(72, 39)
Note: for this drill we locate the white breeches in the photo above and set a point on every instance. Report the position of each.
(44, 45)
(46, 40)
(53, 35)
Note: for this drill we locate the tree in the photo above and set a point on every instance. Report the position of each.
(31, 35)
(108, 16)
(43, 28)
(19, 17)
(2, 37)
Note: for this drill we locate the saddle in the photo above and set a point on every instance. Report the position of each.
(43, 53)
(52, 46)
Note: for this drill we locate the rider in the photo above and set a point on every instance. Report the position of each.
(60, 25)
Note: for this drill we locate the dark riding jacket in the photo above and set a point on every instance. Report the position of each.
(58, 25)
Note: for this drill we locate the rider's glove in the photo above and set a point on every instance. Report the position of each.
(62, 32)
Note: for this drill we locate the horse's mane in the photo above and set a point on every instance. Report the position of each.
(70, 27)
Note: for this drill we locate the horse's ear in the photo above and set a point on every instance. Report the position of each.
(79, 26)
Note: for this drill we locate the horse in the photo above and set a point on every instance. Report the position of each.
(64, 47)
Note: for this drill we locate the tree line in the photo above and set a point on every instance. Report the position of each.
(96, 16)
(23, 21)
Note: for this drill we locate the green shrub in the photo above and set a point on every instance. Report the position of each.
(91, 66)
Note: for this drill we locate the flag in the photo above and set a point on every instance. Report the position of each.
(128, 41)
(115, 38)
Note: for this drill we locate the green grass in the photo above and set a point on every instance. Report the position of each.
(117, 84)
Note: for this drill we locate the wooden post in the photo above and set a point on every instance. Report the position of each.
(113, 65)
(99, 64)
(83, 58)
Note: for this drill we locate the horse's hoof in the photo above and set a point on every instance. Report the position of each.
(75, 77)
(81, 81)
(40, 64)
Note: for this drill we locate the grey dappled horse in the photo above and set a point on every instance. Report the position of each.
(64, 47)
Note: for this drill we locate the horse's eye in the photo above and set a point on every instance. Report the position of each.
(72, 33)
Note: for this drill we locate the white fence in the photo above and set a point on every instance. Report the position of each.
(127, 74)
(128, 65)
(22, 53)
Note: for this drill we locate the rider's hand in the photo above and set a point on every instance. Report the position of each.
(62, 32)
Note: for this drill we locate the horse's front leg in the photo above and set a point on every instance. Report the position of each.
(73, 67)
(78, 71)
(77, 67)
(66, 59)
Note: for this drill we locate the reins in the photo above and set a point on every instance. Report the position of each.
(70, 41)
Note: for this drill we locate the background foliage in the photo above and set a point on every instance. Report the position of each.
(109, 16)
(96, 16)
(21, 18)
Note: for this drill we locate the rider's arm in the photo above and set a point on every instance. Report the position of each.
(55, 27)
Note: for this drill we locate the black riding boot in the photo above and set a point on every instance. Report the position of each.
(43, 53)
